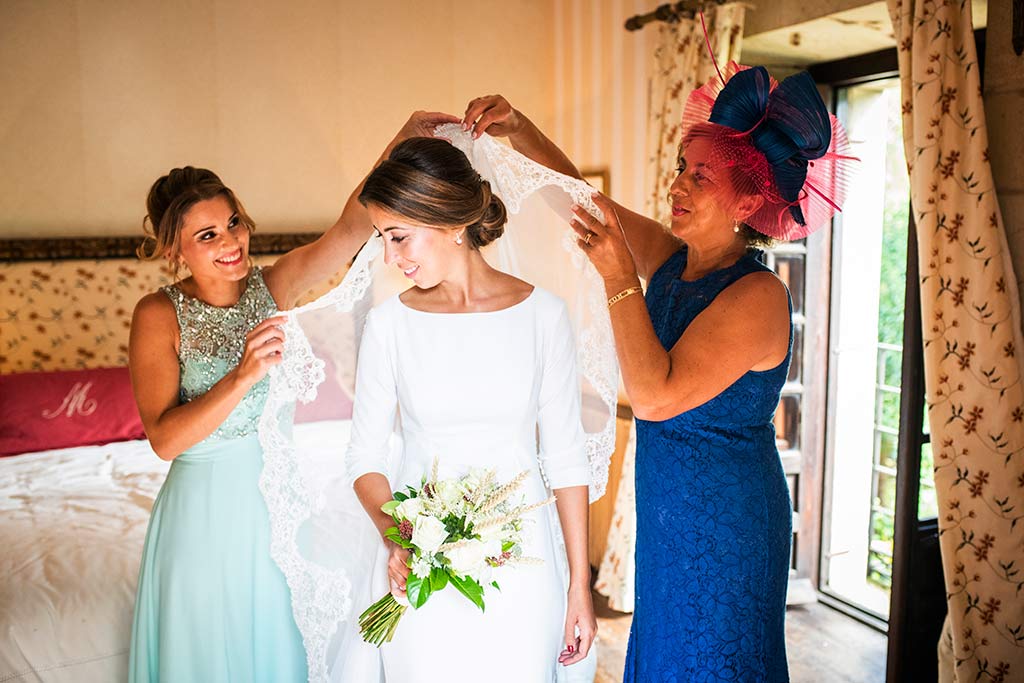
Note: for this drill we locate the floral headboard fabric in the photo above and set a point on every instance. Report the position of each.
(73, 310)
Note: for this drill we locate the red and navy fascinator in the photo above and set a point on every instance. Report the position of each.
(772, 139)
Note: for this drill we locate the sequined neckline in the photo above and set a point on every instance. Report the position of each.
(241, 297)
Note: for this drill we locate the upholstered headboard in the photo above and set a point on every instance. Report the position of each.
(67, 303)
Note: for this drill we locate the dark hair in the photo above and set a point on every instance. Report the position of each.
(431, 182)
(170, 198)
(755, 239)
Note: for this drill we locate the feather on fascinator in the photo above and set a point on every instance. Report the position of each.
(775, 140)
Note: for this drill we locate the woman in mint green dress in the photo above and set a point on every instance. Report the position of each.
(212, 605)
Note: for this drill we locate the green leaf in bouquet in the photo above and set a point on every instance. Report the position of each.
(401, 497)
(418, 590)
(389, 507)
(468, 586)
(393, 535)
(507, 546)
(438, 579)
(495, 584)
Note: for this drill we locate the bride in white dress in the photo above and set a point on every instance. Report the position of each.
(479, 367)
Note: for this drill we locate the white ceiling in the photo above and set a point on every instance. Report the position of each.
(835, 36)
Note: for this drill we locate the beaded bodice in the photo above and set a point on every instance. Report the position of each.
(212, 343)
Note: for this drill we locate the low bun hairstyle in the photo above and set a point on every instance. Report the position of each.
(170, 199)
(431, 182)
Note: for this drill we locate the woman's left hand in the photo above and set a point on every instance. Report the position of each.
(580, 626)
(604, 243)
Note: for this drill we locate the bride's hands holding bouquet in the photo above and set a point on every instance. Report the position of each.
(398, 569)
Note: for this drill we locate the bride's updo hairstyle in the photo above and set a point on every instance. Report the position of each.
(170, 198)
(431, 182)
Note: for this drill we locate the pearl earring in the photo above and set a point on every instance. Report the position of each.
(458, 239)
(736, 227)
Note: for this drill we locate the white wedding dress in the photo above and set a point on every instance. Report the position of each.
(503, 389)
(496, 390)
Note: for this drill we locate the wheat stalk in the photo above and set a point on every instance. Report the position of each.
(502, 494)
(513, 515)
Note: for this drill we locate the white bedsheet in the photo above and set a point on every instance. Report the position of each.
(72, 524)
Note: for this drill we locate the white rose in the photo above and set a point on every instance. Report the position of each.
(470, 557)
(450, 494)
(428, 534)
(410, 508)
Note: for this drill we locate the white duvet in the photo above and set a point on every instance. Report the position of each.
(72, 522)
(72, 525)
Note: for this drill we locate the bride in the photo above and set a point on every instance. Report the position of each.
(499, 355)
(480, 369)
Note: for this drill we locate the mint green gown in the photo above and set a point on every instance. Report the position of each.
(212, 605)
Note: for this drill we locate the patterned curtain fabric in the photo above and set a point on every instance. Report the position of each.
(680, 64)
(972, 342)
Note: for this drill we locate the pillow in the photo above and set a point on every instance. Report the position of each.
(45, 410)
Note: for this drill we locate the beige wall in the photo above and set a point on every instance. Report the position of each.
(290, 103)
(600, 90)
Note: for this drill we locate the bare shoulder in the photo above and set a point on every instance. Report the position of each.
(762, 291)
(154, 309)
(755, 308)
(154, 317)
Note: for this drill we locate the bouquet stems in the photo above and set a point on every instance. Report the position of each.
(378, 623)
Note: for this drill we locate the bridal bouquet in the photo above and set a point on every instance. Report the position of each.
(456, 530)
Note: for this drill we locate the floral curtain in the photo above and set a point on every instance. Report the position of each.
(680, 64)
(972, 342)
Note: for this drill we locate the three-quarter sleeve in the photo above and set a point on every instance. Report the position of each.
(376, 402)
(562, 442)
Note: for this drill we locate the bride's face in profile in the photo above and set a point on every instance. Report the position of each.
(424, 254)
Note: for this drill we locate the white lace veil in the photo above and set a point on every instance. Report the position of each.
(321, 538)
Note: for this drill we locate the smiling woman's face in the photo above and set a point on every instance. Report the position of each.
(424, 254)
(214, 242)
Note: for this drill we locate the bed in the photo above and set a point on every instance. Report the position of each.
(77, 478)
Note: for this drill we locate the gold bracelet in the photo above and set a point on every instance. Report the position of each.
(623, 294)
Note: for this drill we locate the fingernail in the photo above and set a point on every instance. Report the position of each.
(575, 207)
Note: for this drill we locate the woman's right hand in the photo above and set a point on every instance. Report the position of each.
(421, 125)
(263, 348)
(398, 568)
(491, 114)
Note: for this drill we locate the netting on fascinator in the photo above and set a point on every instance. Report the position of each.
(754, 136)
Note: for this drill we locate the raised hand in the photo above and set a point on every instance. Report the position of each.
(422, 124)
(263, 348)
(491, 114)
(604, 243)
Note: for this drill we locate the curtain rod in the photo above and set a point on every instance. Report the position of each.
(669, 12)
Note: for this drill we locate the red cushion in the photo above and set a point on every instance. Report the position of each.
(44, 410)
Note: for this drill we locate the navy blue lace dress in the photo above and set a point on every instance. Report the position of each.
(713, 516)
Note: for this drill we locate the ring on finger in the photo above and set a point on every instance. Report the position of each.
(590, 235)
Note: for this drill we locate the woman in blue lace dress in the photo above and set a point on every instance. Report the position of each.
(211, 604)
(704, 359)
